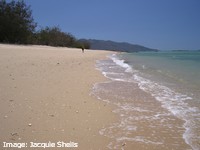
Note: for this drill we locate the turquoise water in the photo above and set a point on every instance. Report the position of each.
(172, 79)
(176, 66)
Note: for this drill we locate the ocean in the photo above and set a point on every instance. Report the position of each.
(156, 96)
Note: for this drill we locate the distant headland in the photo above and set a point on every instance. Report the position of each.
(116, 46)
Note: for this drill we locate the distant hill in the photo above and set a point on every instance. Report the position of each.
(115, 46)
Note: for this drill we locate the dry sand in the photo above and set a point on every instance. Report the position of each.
(44, 96)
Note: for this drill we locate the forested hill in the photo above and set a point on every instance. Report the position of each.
(116, 46)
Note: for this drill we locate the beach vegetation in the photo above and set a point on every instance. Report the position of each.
(53, 36)
(16, 22)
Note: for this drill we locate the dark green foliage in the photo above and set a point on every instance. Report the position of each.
(55, 37)
(16, 22)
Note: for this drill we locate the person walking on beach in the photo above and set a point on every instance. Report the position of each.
(82, 50)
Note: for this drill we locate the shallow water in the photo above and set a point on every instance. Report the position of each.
(157, 100)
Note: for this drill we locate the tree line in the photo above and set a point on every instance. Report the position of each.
(17, 26)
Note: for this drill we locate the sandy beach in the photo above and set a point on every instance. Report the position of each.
(45, 97)
(49, 99)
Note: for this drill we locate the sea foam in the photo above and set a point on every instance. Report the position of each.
(171, 100)
(176, 103)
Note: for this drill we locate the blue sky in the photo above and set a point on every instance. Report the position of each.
(161, 24)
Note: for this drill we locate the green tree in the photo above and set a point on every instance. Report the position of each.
(16, 22)
(55, 37)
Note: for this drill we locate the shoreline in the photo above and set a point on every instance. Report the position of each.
(144, 123)
(45, 96)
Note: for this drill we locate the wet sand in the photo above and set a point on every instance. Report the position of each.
(144, 122)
